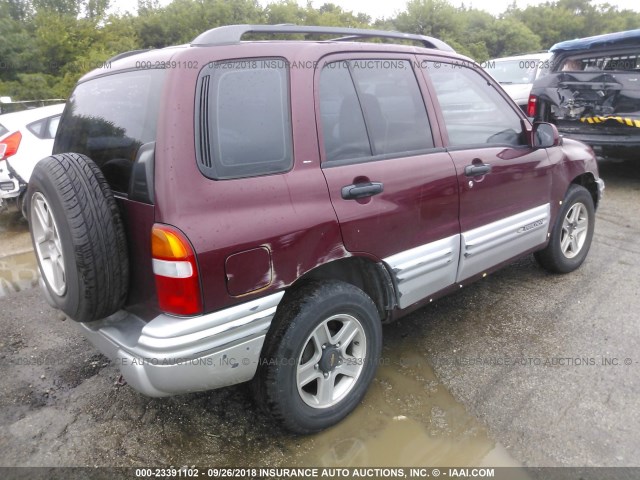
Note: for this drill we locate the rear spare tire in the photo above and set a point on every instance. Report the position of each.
(78, 237)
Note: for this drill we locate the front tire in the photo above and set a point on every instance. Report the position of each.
(320, 356)
(572, 233)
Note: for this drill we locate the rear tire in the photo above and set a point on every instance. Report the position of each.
(78, 237)
(320, 356)
(572, 233)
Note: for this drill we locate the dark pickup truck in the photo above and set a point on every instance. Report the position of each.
(592, 92)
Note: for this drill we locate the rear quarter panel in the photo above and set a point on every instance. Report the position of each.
(289, 214)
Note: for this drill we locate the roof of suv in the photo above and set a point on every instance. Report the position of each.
(232, 35)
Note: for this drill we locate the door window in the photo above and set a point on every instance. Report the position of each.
(372, 108)
(473, 110)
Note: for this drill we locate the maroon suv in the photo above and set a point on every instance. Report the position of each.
(232, 210)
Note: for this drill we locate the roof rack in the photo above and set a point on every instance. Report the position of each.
(233, 34)
(127, 54)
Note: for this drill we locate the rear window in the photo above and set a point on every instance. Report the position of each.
(243, 119)
(109, 119)
(629, 62)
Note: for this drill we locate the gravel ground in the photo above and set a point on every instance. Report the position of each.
(523, 367)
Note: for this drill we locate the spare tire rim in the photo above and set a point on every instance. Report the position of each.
(332, 359)
(574, 230)
(46, 238)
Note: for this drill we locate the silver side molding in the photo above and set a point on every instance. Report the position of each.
(491, 244)
(429, 268)
(424, 270)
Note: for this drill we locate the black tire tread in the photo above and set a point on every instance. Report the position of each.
(97, 233)
(265, 385)
(550, 258)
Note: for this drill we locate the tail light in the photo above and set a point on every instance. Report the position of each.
(176, 271)
(532, 106)
(9, 146)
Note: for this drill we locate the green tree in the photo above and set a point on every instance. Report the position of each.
(61, 7)
(46, 45)
(286, 11)
(435, 18)
(182, 20)
(567, 19)
(510, 36)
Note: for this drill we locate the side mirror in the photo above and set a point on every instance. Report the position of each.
(545, 135)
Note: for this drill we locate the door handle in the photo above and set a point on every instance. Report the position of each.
(477, 170)
(361, 190)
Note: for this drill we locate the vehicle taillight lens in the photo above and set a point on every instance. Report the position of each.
(10, 145)
(176, 271)
(532, 105)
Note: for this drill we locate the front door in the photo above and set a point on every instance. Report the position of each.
(505, 184)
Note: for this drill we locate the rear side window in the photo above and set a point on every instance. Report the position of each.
(45, 128)
(109, 118)
(243, 119)
(52, 127)
(343, 127)
(3, 130)
(372, 108)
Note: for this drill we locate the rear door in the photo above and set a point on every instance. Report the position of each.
(505, 185)
(393, 187)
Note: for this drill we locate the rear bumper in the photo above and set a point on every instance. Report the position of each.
(601, 140)
(9, 188)
(600, 184)
(169, 355)
(10, 184)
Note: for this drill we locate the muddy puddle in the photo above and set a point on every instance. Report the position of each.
(17, 272)
(408, 419)
(18, 269)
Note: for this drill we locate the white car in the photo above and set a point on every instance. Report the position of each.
(26, 137)
(516, 74)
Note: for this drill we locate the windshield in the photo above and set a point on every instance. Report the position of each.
(514, 71)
